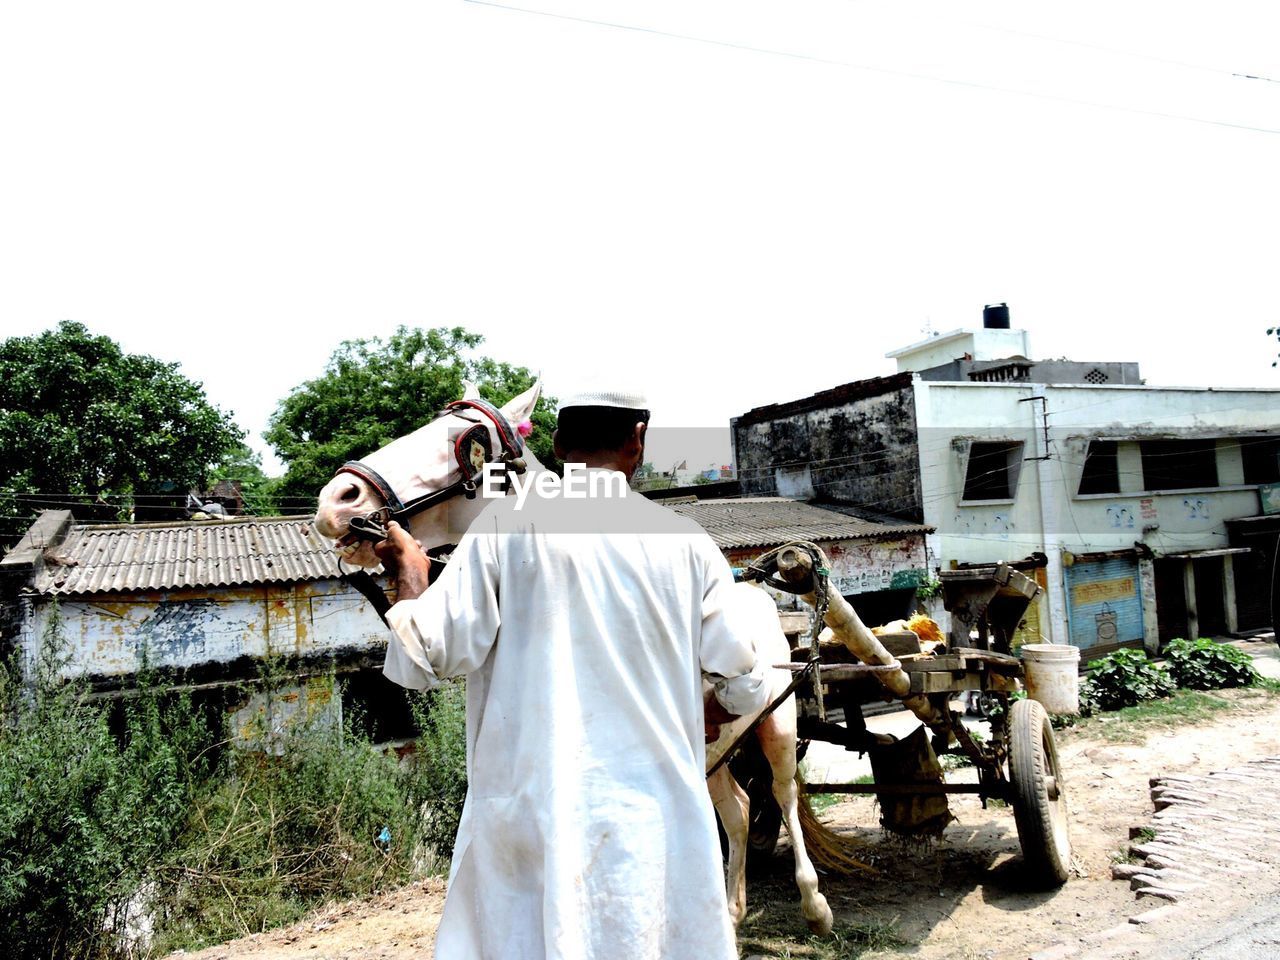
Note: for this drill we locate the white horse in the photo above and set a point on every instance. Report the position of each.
(429, 460)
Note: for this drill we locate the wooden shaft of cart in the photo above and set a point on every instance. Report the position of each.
(795, 565)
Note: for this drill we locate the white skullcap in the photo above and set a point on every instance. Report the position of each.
(624, 399)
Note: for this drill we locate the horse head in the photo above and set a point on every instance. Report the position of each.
(427, 480)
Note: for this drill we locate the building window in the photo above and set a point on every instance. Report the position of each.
(1261, 457)
(1101, 473)
(992, 471)
(1179, 464)
(1096, 376)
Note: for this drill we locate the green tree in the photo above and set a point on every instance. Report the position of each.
(373, 391)
(83, 423)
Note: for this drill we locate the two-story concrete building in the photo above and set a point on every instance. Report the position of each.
(1138, 507)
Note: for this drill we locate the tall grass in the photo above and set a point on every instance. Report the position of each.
(136, 829)
(438, 770)
(273, 836)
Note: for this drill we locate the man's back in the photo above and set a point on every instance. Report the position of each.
(601, 629)
(584, 627)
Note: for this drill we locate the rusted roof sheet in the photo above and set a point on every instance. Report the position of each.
(225, 553)
(168, 556)
(772, 521)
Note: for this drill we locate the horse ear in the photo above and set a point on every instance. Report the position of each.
(470, 391)
(521, 407)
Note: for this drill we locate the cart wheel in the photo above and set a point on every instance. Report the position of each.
(1039, 796)
(751, 770)
(765, 821)
(986, 705)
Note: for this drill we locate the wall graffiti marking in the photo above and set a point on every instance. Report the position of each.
(1121, 518)
(1102, 591)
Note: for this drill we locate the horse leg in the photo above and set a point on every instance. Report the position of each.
(777, 736)
(731, 803)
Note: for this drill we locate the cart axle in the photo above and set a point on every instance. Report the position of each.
(900, 789)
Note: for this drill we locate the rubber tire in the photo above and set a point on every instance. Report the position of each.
(764, 824)
(1042, 822)
(765, 821)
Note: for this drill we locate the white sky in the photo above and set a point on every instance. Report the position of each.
(240, 186)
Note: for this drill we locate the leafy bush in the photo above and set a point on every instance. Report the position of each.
(127, 822)
(1089, 703)
(84, 810)
(438, 769)
(1125, 678)
(1207, 665)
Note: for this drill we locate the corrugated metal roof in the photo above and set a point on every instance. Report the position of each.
(224, 553)
(772, 521)
(167, 556)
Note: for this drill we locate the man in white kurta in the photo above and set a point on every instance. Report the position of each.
(587, 830)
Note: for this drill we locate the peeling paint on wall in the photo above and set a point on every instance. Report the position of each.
(269, 716)
(862, 449)
(858, 566)
(115, 635)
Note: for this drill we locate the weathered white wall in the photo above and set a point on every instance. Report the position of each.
(112, 635)
(951, 416)
(980, 344)
(858, 566)
(268, 715)
(1046, 513)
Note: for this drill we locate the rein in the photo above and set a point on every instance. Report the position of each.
(377, 597)
(472, 450)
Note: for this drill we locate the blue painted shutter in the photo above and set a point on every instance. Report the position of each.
(1104, 602)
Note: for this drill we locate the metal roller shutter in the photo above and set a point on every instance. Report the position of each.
(1104, 604)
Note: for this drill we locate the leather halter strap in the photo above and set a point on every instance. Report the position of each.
(375, 480)
(377, 597)
(368, 527)
(512, 442)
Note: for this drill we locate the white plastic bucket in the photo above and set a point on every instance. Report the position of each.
(1051, 671)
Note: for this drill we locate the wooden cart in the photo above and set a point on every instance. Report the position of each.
(1017, 763)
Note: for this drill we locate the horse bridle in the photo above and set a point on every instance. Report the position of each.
(472, 450)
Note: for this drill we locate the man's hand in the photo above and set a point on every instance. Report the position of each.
(404, 559)
(713, 716)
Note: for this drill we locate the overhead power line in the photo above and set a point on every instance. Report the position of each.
(1114, 51)
(908, 74)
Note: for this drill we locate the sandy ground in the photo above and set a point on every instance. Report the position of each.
(963, 897)
(397, 925)
(966, 898)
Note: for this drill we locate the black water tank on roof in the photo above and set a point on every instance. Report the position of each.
(995, 316)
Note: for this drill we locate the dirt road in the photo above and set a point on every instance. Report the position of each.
(962, 898)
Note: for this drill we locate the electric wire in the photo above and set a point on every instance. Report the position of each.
(1114, 51)
(907, 74)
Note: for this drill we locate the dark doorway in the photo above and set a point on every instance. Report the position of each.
(1256, 570)
(1210, 604)
(1253, 588)
(1171, 599)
